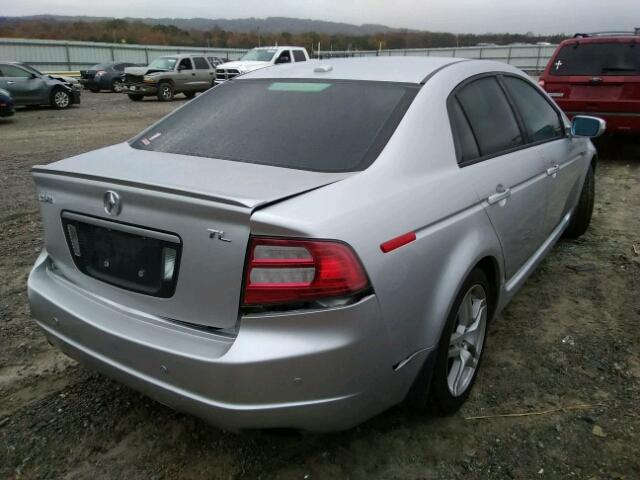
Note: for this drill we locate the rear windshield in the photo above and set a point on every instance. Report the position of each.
(597, 59)
(328, 126)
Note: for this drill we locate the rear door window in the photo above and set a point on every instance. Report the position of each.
(466, 145)
(327, 126)
(541, 120)
(490, 116)
(299, 56)
(201, 63)
(597, 59)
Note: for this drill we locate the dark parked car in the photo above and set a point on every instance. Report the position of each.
(598, 74)
(105, 76)
(29, 86)
(6, 104)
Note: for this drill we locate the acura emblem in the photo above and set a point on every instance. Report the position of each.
(112, 203)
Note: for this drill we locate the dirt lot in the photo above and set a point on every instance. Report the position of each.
(571, 336)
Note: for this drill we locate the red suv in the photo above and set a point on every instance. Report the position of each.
(598, 74)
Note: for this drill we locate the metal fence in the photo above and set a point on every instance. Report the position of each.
(530, 58)
(60, 55)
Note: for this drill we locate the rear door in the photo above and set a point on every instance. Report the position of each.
(545, 133)
(204, 73)
(508, 176)
(597, 76)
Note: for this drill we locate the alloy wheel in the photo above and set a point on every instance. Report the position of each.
(117, 86)
(61, 99)
(165, 91)
(467, 340)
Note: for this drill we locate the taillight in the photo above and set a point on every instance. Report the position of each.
(290, 270)
(541, 83)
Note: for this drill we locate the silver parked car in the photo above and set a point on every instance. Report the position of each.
(308, 245)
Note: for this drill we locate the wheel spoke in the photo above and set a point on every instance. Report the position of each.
(458, 381)
(466, 341)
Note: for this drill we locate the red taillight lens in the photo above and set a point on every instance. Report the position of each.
(287, 270)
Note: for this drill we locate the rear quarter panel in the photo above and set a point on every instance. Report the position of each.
(415, 185)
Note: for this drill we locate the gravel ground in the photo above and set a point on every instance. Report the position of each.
(570, 337)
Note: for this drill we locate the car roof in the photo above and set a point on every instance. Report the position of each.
(382, 69)
(602, 39)
(276, 46)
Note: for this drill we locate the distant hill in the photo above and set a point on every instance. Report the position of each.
(240, 25)
(245, 33)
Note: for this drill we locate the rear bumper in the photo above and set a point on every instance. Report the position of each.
(93, 84)
(616, 122)
(317, 370)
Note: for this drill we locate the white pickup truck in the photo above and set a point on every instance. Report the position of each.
(260, 57)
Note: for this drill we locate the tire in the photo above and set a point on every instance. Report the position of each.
(581, 217)
(60, 99)
(116, 85)
(135, 97)
(451, 386)
(165, 92)
(189, 95)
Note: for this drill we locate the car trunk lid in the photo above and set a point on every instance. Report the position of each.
(596, 94)
(175, 246)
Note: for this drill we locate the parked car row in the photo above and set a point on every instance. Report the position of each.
(595, 74)
(105, 76)
(192, 73)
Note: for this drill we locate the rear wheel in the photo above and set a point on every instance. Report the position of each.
(60, 99)
(135, 97)
(165, 92)
(116, 85)
(581, 217)
(461, 345)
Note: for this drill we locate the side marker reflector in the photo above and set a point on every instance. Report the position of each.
(397, 242)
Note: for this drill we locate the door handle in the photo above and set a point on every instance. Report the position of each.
(10, 83)
(193, 74)
(553, 171)
(500, 195)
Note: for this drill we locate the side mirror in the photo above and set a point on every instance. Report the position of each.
(583, 126)
(33, 75)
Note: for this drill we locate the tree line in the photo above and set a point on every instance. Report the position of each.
(135, 32)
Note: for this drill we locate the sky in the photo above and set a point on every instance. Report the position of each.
(459, 16)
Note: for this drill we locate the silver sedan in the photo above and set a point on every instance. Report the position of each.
(308, 245)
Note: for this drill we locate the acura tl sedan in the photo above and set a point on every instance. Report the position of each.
(307, 246)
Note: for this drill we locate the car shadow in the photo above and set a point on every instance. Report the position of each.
(619, 148)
